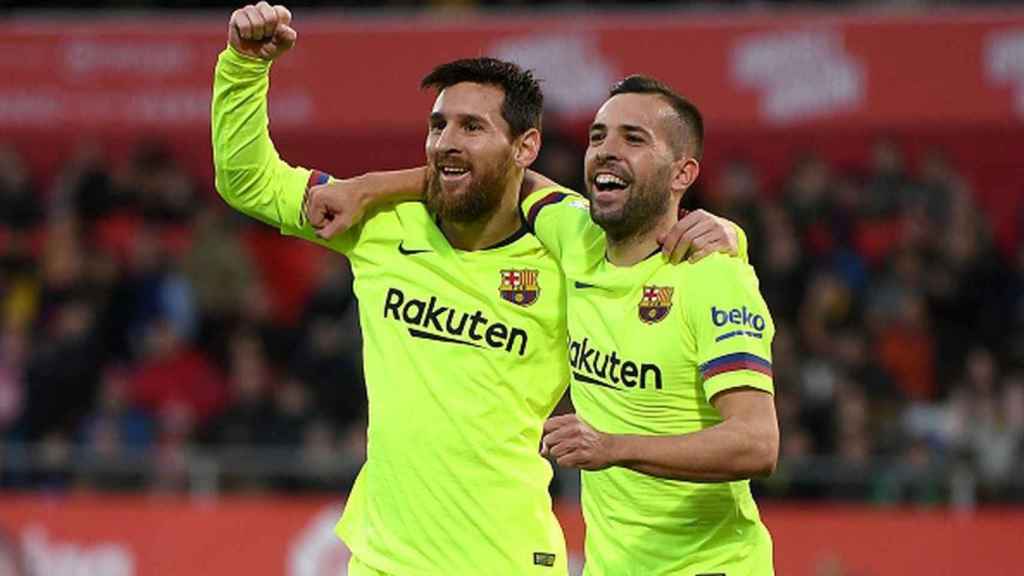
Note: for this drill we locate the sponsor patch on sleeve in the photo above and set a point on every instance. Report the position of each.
(740, 321)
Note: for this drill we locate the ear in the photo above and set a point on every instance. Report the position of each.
(684, 174)
(527, 148)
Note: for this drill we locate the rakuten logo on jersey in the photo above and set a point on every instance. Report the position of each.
(737, 316)
(592, 366)
(428, 320)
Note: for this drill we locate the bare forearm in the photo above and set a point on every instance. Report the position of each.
(725, 452)
(533, 182)
(393, 186)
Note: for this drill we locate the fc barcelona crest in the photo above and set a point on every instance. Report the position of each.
(655, 303)
(519, 286)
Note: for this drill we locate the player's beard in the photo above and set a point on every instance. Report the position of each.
(481, 196)
(645, 203)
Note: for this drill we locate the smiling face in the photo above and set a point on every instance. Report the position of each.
(470, 153)
(631, 164)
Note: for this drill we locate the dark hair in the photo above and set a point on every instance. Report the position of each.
(523, 102)
(688, 113)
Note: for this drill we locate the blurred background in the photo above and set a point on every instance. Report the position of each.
(180, 386)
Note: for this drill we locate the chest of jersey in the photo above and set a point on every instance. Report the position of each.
(458, 334)
(632, 356)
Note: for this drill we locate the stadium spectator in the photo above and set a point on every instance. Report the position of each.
(921, 317)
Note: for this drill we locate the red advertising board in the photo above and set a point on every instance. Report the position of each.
(951, 68)
(346, 100)
(275, 536)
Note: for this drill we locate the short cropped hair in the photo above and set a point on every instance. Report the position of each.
(688, 113)
(524, 100)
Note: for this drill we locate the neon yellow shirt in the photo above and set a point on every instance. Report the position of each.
(464, 358)
(650, 345)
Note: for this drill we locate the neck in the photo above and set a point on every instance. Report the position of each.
(491, 229)
(635, 248)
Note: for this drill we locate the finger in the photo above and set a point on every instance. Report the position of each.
(244, 24)
(235, 23)
(315, 212)
(319, 219)
(257, 22)
(562, 435)
(699, 255)
(695, 226)
(685, 244)
(314, 199)
(253, 19)
(561, 450)
(269, 17)
(544, 448)
(703, 233)
(692, 239)
(675, 234)
(704, 241)
(284, 15)
(668, 240)
(570, 460)
(334, 227)
(556, 422)
(285, 36)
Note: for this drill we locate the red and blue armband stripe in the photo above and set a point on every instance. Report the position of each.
(734, 362)
(316, 178)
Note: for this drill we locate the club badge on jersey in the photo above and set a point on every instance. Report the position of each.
(655, 303)
(519, 286)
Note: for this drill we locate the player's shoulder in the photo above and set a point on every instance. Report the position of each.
(717, 264)
(714, 273)
(555, 195)
(524, 249)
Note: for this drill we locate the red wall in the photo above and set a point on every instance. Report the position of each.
(168, 535)
(346, 99)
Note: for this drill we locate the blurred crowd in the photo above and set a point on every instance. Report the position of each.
(151, 338)
(899, 358)
(139, 320)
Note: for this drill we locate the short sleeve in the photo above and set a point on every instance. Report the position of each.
(732, 326)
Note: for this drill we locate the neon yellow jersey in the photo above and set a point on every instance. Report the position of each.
(650, 345)
(463, 357)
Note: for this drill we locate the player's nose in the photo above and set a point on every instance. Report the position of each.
(447, 140)
(604, 157)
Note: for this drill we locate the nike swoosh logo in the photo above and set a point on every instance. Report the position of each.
(409, 252)
(584, 285)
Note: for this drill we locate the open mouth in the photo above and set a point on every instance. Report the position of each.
(608, 182)
(452, 174)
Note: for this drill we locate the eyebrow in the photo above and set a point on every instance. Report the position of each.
(464, 117)
(624, 128)
(640, 129)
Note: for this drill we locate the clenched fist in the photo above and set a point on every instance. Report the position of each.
(261, 31)
(575, 444)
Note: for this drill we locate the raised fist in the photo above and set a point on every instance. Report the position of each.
(261, 31)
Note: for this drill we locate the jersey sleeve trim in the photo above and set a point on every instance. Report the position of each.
(551, 198)
(734, 362)
(738, 379)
